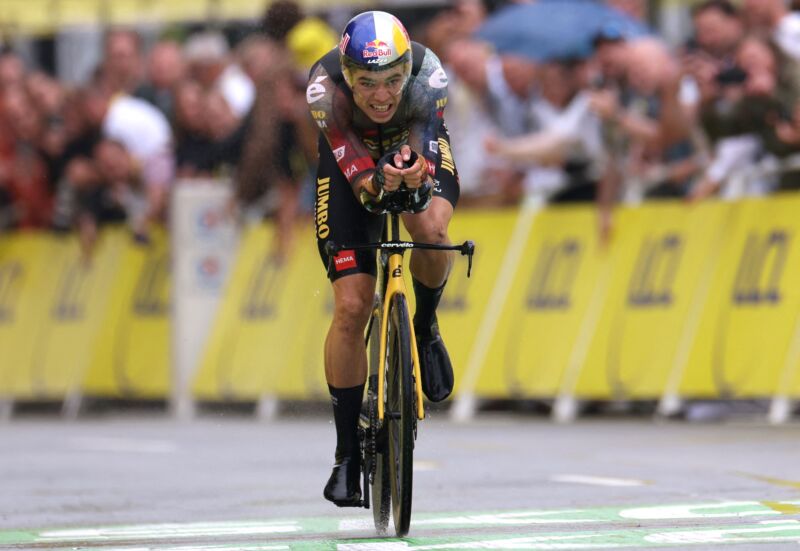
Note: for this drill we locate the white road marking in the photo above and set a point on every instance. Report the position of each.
(597, 480)
(174, 530)
(708, 510)
(123, 445)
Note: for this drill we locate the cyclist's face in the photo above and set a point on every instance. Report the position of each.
(378, 93)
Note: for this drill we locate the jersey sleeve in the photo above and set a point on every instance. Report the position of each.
(428, 98)
(332, 111)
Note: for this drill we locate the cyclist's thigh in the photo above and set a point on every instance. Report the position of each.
(340, 218)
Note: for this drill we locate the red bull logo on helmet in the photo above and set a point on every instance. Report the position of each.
(376, 48)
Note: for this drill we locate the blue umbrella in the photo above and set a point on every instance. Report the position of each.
(556, 29)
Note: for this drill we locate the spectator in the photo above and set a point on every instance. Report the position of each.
(194, 155)
(12, 70)
(123, 65)
(306, 38)
(567, 143)
(26, 198)
(208, 56)
(165, 69)
(647, 126)
(145, 134)
(749, 130)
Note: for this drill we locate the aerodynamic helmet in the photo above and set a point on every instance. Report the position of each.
(375, 41)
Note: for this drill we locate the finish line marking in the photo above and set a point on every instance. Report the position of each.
(598, 480)
(767, 521)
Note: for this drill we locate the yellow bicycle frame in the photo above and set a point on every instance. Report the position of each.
(395, 285)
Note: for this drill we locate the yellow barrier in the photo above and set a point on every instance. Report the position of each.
(267, 338)
(694, 301)
(753, 307)
(131, 359)
(663, 255)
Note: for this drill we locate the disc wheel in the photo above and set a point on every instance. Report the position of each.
(400, 414)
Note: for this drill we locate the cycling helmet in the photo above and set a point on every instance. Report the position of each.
(375, 41)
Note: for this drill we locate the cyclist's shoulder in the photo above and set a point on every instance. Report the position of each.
(327, 66)
(430, 78)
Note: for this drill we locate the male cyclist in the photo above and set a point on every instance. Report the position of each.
(378, 100)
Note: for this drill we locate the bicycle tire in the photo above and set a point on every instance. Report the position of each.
(380, 489)
(400, 413)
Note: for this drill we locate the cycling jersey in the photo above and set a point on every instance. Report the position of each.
(357, 141)
(351, 143)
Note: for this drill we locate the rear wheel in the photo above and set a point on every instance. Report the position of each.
(400, 413)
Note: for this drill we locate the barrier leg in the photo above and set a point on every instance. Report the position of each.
(267, 408)
(6, 409)
(71, 408)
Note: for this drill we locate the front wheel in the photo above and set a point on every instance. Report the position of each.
(379, 465)
(400, 413)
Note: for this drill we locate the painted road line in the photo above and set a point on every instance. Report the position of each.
(598, 480)
(606, 516)
(122, 445)
(643, 538)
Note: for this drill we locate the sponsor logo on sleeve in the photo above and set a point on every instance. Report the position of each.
(344, 260)
(338, 153)
(438, 79)
(316, 90)
(433, 146)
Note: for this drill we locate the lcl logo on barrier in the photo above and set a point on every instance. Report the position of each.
(10, 280)
(656, 267)
(261, 299)
(554, 275)
(761, 266)
(72, 295)
(151, 296)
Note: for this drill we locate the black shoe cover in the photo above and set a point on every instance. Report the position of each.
(344, 485)
(437, 371)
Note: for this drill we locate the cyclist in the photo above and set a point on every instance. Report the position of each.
(379, 100)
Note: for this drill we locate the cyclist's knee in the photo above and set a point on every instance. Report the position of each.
(430, 231)
(431, 225)
(352, 310)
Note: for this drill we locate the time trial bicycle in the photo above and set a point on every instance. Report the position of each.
(394, 401)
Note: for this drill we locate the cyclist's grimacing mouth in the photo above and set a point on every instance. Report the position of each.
(378, 93)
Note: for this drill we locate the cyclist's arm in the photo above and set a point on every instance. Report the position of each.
(332, 111)
(428, 98)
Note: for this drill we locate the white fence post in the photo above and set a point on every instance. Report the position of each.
(204, 241)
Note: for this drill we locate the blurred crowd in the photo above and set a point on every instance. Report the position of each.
(636, 120)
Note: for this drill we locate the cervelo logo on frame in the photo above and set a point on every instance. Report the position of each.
(345, 260)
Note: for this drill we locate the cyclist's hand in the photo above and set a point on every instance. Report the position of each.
(416, 174)
(389, 172)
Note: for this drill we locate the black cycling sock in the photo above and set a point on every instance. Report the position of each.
(427, 302)
(346, 408)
